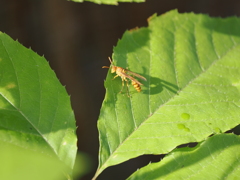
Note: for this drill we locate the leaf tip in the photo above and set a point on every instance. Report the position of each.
(151, 17)
(134, 29)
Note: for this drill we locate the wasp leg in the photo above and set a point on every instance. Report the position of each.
(122, 85)
(128, 94)
(115, 77)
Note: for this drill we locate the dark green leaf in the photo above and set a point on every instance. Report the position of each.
(35, 109)
(109, 2)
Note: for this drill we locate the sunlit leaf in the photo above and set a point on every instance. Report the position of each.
(192, 67)
(216, 158)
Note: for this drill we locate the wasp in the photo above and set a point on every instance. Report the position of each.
(125, 75)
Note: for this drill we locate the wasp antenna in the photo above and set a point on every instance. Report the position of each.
(110, 60)
(105, 67)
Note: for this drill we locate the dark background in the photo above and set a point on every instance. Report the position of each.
(77, 38)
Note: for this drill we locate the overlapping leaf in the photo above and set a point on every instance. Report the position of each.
(192, 67)
(109, 2)
(35, 109)
(216, 158)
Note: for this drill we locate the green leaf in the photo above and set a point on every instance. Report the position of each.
(35, 109)
(109, 2)
(192, 67)
(216, 158)
(25, 164)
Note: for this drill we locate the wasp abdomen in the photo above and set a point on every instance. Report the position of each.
(136, 86)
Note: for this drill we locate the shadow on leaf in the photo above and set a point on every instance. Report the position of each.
(157, 85)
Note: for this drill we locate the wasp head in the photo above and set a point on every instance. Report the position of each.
(113, 68)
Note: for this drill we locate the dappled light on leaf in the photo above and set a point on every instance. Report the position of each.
(191, 63)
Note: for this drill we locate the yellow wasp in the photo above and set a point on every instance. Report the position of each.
(124, 74)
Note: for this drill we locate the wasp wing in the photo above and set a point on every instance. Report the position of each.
(137, 75)
(130, 77)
